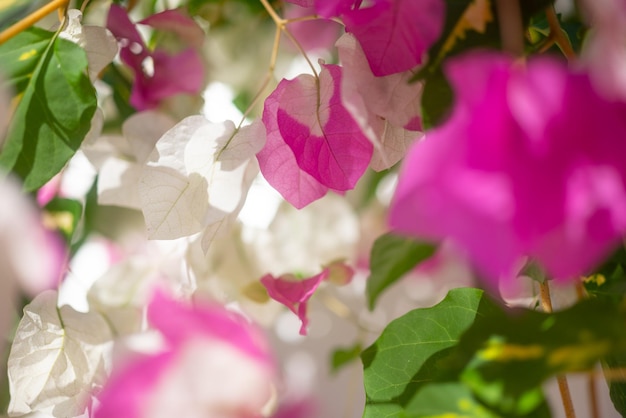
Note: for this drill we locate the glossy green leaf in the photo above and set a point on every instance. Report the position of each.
(608, 284)
(534, 346)
(344, 356)
(617, 383)
(410, 351)
(437, 99)
(56, 104)
(391, 258)
(446, 399)
(20, 56)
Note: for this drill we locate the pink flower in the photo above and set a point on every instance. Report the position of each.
(604, 52)
(158, 75)
(318, 34)
(32, 258)
(214, 363)
(313, 143)
(530, 163)
(294, 293)
(396, 34)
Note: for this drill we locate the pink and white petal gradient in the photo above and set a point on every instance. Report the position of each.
(214, 363)
(528, 164)
(604, 51)
(386, 108)
(182, 25)
(313, 35)
(313, 144)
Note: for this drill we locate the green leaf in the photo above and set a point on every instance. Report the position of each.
(506, 357)
(437, 99)
(411, 350)
(449, 400)
(393, 256)
(609, 281)
(617, 384)
(343, 356)
(55, 109)
(20, 56)
(608, 285)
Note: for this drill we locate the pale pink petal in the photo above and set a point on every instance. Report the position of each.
(24, 239)
(128, 390)
(395, 34)
(178, 323)
(604, 51)
(293, 293)
(181, 73)
(214, 363)
(317, 34)
(175, 21)
(384, 107)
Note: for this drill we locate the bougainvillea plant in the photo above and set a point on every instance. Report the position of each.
(313, 208)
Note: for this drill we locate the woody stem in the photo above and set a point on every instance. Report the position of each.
(566, 397)
(31, 19)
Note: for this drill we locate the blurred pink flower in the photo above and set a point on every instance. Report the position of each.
(214, 364)
(32, 258)
(530, 163)
(317, 34)
(158, 75)
(604, 52)
(294, 293)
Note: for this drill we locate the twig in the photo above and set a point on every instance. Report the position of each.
(511, 29)
(282, 25)
(566, 397)
(280, 22)
(31, 19)
(591, 377)
(556, 33)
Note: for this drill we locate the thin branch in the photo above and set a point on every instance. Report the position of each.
(280, 22)
(556, 33)
(31, 19)
(267, 78)
(511, 29)
(591, 377)
(302, 51)
(566, 397)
